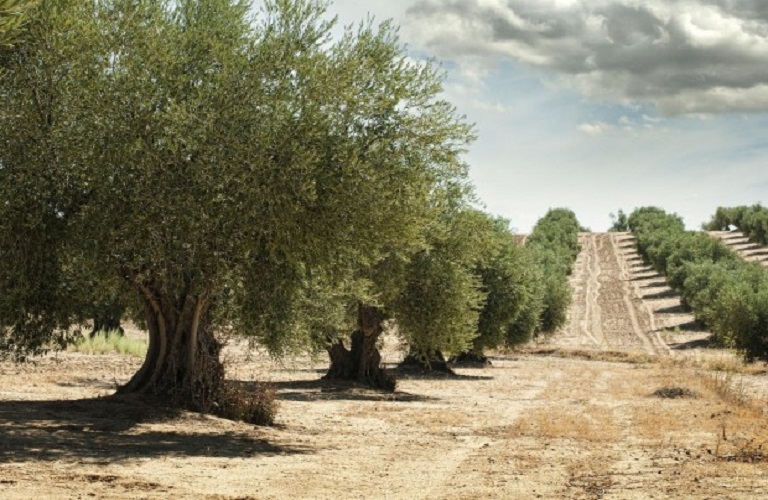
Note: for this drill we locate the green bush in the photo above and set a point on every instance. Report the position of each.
(750, 220)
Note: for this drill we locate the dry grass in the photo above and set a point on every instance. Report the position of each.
(594, 355)
(592, 422)
(110, 343)
(717, 361)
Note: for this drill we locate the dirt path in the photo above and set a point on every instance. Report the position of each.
(740, 244)
(530, 426)
(608, 310)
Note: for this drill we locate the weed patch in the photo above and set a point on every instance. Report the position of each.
(111, 342)
(675, 392)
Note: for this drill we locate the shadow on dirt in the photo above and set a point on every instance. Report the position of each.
(338, 390)
(705, 343)
(655, 284)
(107, 430)
(420, 374)
(676, 309)
(666, 294)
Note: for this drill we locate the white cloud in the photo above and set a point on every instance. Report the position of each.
(686, 57)
(594, 129)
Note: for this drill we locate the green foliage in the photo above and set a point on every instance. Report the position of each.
(13, 15)
(182, 149)
(726, 294)
(619, 222)
(439, 305)
(554, 243)
(750, 220)
(510, 279)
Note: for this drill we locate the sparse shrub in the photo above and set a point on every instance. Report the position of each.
(255, 405)
(675, 392)
(110, 342)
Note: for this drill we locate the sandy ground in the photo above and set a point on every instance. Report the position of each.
(574, 417)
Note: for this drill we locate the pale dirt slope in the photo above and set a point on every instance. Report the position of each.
(531, 426)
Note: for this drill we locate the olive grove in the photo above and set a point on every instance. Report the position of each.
(231, 169)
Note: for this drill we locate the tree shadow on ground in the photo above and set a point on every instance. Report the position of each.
(107, 430)
(655, 284)
(676, 309)
(646, 275)
(409, 373)
(705, 343)
(754, 249)
(666, 294)
(338, 390)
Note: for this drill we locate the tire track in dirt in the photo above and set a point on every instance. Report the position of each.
(643, 319)
(739, 243)
(607, 312)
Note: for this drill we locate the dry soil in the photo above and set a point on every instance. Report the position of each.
(627, 401)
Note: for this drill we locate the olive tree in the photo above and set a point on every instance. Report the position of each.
(13, 15)
(216, 163)
(510, 279)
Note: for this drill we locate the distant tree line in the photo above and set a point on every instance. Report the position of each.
(728, 295)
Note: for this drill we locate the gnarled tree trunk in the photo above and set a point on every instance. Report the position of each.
(182, 363)
(433, 361)
(362, 362)
(471, 358)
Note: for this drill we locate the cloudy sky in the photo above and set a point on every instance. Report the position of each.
(597, 105)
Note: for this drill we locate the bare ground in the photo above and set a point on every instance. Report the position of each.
(583, 415)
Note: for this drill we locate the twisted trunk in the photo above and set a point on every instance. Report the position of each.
(472, 358)
(182, 364)
(362, 362)
(432, 361)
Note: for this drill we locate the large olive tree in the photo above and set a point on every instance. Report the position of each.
(214, 161)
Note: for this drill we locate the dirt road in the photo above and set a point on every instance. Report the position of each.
(530, 426)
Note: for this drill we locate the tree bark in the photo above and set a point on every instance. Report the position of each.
(434, 361)
(362, 362)
(472, 357)
(107, 318)
(182, 364)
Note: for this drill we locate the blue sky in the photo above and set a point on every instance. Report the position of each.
(597, 105)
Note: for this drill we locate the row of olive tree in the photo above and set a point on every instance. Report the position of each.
(521, 291)
(727, 295)
(750, 220)
(554, 243)
(232, 170)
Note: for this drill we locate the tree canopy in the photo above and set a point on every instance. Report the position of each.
(12, 18)
(225, 167)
